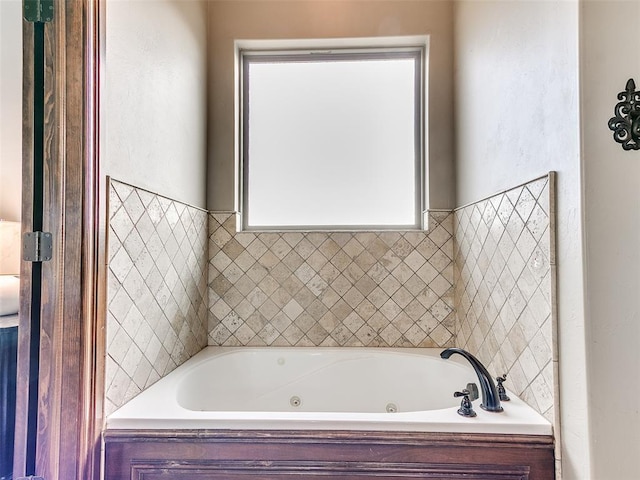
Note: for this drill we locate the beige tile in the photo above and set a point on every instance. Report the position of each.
(268, 285)
(390, 334)
(439, 235)
(427, 298)
(268, 260)
(365, 334)
(378, 273)
(280, 297)
(440, 285)
(427, 273)
(244, 260)
(231, 224)
(353, 297)
(365, 260)
(305, 273)
(220, 335)
(441, 336)
(305, 322)
(415, 285)
(120, 265)
(340, 260)
(402, 248)
(329, 273)
(402, 297)
(415, 335)
(293, 334)
(317, 334)
(402, 273)
(293, 260)
(378, 322)
(305, 248)
(353, 272)
(390, 309)
(502, 322)
(329, 248)
(403, 322)
(244, 334)
(120, 305)
(316, 260)
(257, 297)
(390, 260)
(389, 238)
(281, 322)
(268, 309)
(220, 237)
(268, 334)
(121, 224)
(377, 248)
(390, 285)
(414, 238)
(292, 285)
(353, 248)
(256, 248)
(233, 273)
(154, 281)
(292, 309)
(414, 260)
(292, 238)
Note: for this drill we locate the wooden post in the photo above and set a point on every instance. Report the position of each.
(69, 412)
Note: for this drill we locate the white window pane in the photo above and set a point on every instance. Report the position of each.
(332, 143)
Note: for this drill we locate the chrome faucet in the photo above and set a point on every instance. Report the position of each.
(490, 399)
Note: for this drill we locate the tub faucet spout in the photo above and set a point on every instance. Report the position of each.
(490, 399)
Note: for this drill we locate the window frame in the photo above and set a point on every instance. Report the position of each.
(416, 51)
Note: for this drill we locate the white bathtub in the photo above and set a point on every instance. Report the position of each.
(320, 389)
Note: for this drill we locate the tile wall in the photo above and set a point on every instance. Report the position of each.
(180, 278)
(157, 289)
(331, 288)
(504, 267)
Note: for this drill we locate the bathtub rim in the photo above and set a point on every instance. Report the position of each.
(518, 418)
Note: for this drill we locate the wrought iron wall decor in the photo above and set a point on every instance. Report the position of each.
(626, 122)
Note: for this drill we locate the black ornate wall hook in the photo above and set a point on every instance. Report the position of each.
(626, 123)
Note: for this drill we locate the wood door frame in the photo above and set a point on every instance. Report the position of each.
(70, 410)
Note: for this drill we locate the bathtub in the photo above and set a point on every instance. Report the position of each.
(364, 389)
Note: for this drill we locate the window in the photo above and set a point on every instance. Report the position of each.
(332, 140)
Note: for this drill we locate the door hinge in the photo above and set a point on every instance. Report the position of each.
(37, 247)
(38, 11)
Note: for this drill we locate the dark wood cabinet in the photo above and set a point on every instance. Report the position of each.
(279, 455)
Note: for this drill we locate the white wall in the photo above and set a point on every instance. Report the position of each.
(609, 57)
(320, 19)
(155, 106)
(10, 109)
(517, 117)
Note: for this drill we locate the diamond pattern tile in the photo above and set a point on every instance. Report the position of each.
(157, 289)
(331, 288)
(479, 279)
(502, 289)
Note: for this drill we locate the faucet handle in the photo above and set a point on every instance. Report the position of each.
(474, 393)
(466, 408)
(502, 393)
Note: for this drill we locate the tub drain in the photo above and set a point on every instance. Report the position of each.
(295, 401)
(392, 408)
